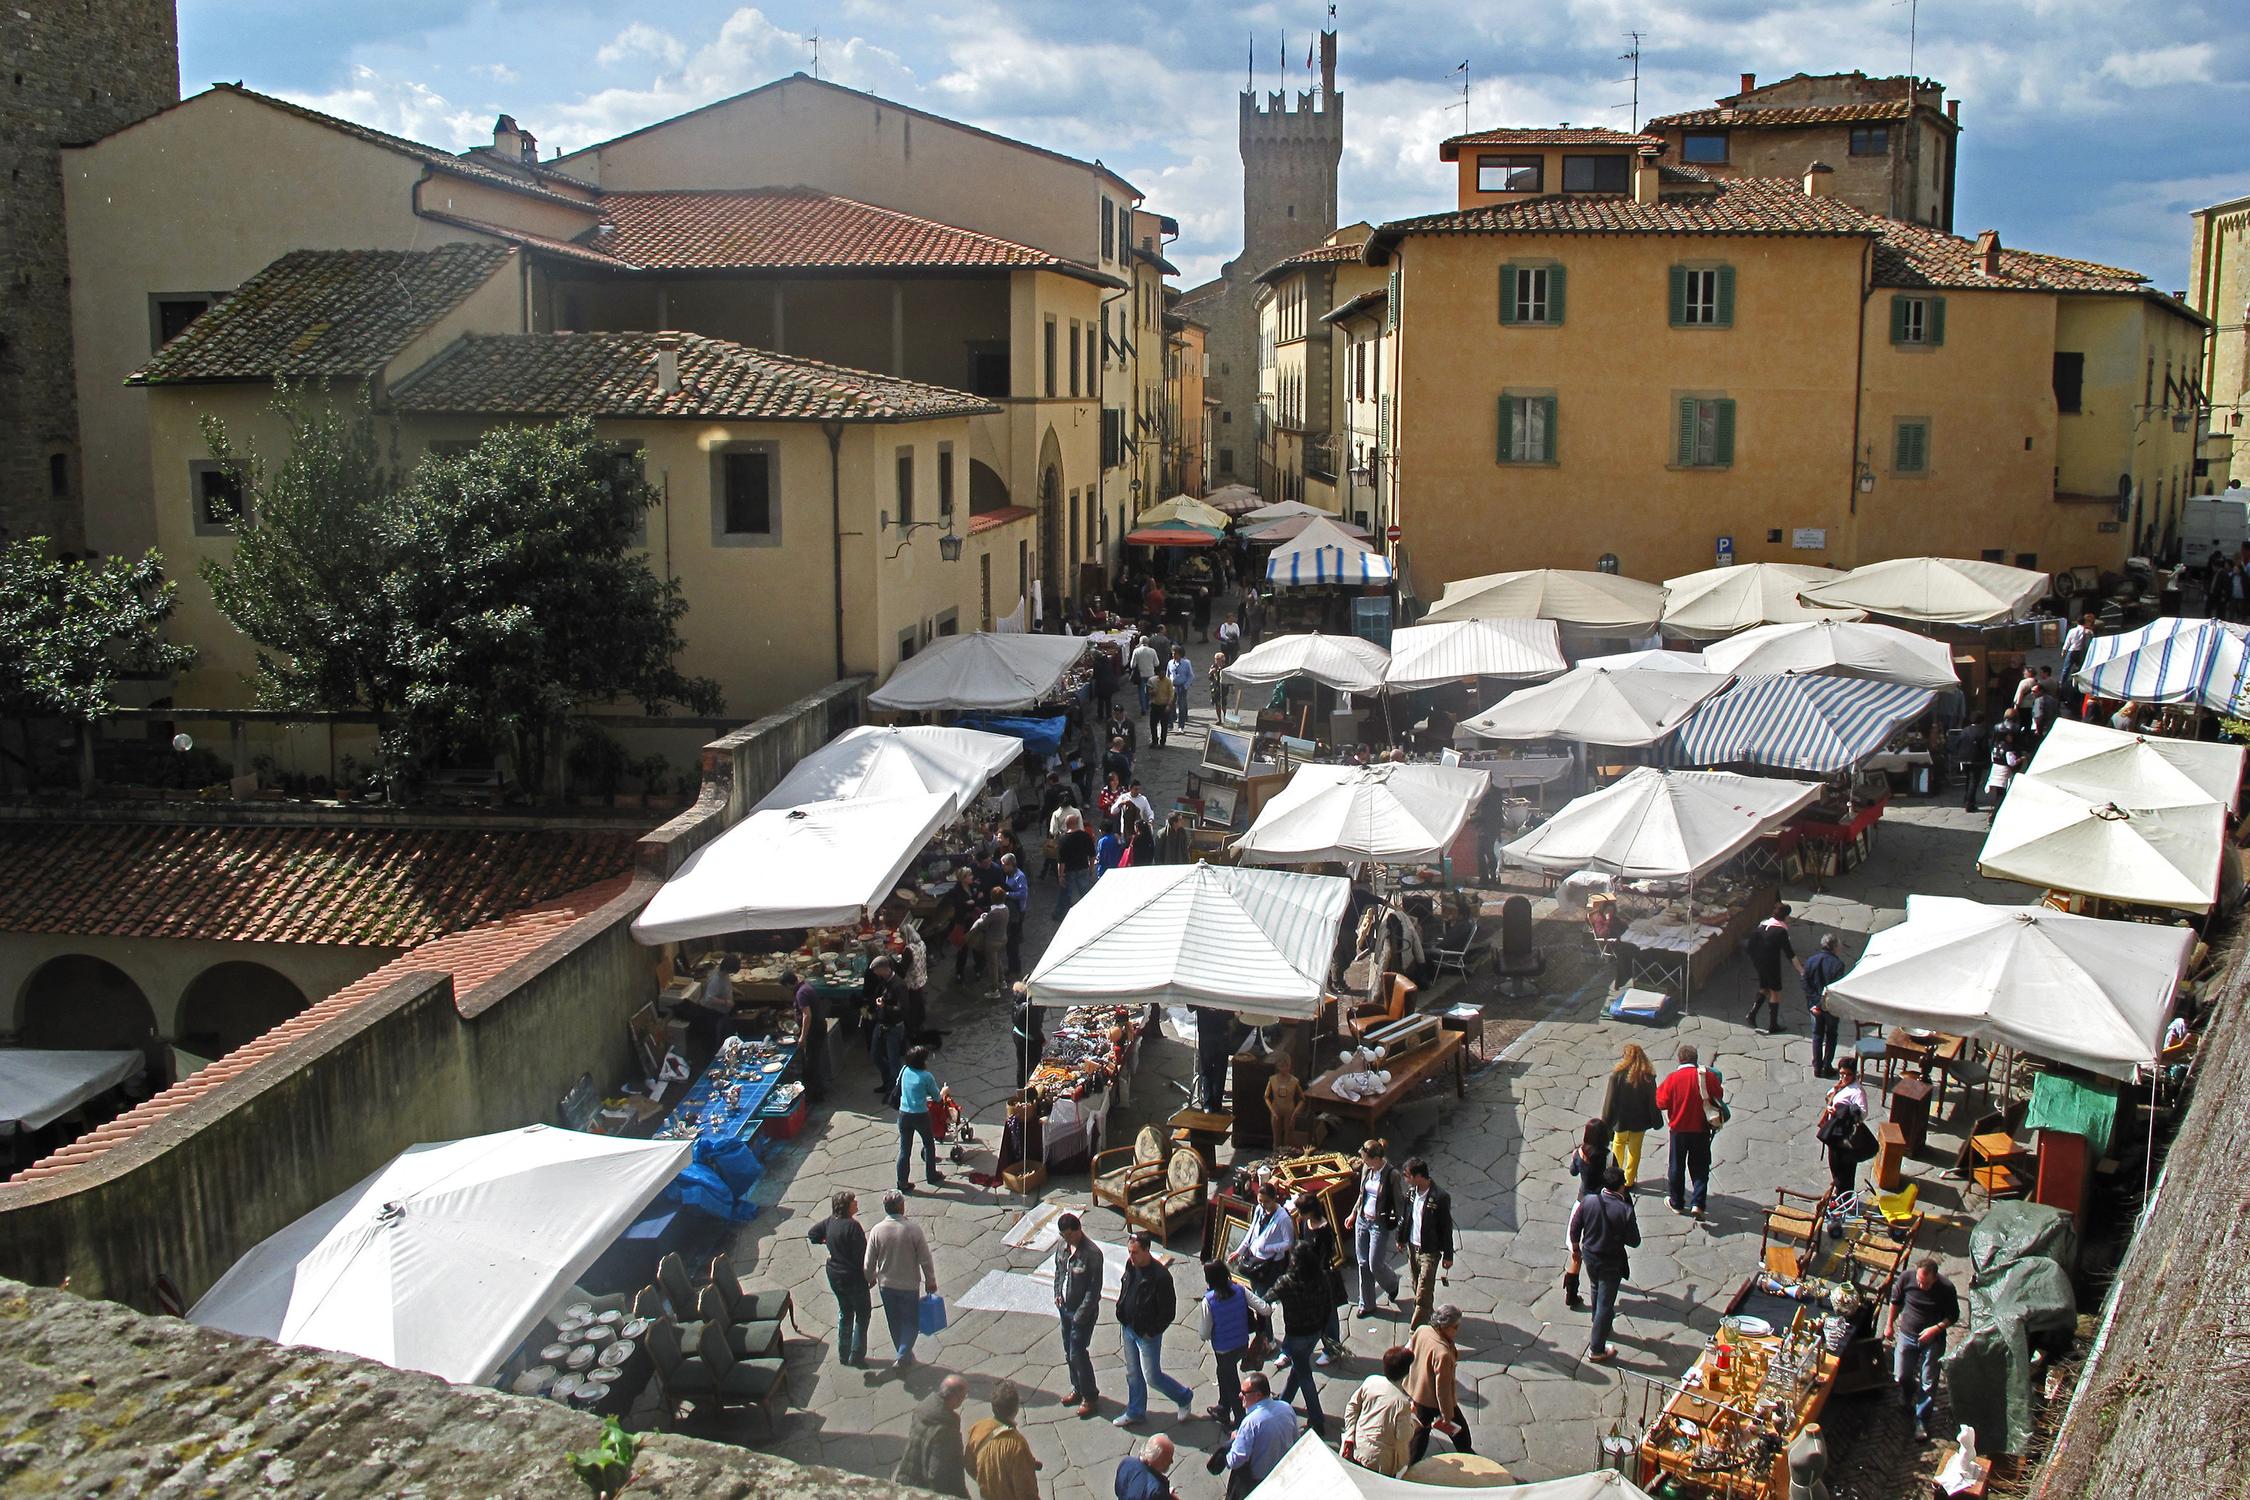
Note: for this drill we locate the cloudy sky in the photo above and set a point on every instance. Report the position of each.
(2090, 127)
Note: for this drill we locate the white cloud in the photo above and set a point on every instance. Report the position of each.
(641, 41)
(402, 107)
(498, 72)
(2156, 67)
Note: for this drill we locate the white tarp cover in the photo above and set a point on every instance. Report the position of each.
(2137, 770)
(1312, 1471)
(1837, 648)
(1388, 813)
(446, 1258)
(1645, 661)
(1254, 941)
(1717, 602)
(786, 867)
(1591, 603)
(1942, 590)
(2075, 830)
(39, 1086)
(1663, 825)
(1344, 662)
(1182, 508)
(2171, 661)
(1325, 553)
(1598, 707)
(2078, 990)
(1424, 655)
(896, 761)
(989, 669)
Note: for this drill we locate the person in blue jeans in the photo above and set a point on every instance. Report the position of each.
(901, 1269)
(1307, 1299)
(917, 1091)
(1078, 1303)
(1603, 1229)
(1074, 864)
(1182, 673)
(1146, 1304)
(846, 1243)
(1923, 1306)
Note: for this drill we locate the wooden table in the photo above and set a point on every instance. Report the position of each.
(1657, 1461)
(1934, 1057)
(1450, 1047)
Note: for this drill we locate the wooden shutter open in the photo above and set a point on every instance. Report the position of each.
(1722, 443)
(1898, 318)
(1679, 296)
(1684, 438)
(1548, 450)
(1933, 321)
(1507, 430)
(1554, 294)
(1508, 310)
(1725, 311)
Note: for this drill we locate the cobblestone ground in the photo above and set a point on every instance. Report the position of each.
(1532, 1403)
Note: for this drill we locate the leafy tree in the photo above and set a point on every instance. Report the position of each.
(70, 629)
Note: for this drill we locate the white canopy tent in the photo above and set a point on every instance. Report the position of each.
(1235, 499)
(1183, 508)
(1599, 604)
(1799, 721)
(1255, 941)
(1837, 648)
(1387, 813)
(897, 761)
(2167, 854)
(1282, 510)
(1295, 526)
(1717, 602)
(1598, 707)
(1343, 662)
(1425, 655)
(1313, 1471)
(39, 1086)
(2205, 662)
(2138, 770)
(1657, 660)
(990, 669)
(795, 867)
(2079, 990)
(444, 1260)
(1939, 590)
(1325, 553)
(1663, 825)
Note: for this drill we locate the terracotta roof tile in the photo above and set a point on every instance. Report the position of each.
(614, 375)
(1914, 255)
(1754, 118)
(360, 887)
(1450, 150)
(316, 314)
(1738, 206)
(1318, 255)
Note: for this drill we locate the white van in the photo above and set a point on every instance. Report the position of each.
(2214, 524)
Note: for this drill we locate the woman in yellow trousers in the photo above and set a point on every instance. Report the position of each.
(1629, 1109)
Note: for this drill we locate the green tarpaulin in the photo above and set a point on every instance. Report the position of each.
(2086, 1107)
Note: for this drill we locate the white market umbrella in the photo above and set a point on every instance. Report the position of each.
(2078, 990)
(989, 669)
(446, 1258)
(1796, 722)
(1324, 552)
(2069, 840)
(1425, 655)
(1343, 662)
(40, 1085)
(1313, 1471)
(814, 866)
(1281, 510)
(2137, 770)
(1663, 825)
(897, 761)
(1235, 499)
(1290, 527)
(1388, 813)
(1939, 590)
(1644, 661)
(1717, 602)
(1601, 604)
(2205, 662)
(1183, 508)
(1258, 942)
(1837, 648)
(1598, 707)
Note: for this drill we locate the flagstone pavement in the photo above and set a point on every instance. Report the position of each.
(1531, 1401)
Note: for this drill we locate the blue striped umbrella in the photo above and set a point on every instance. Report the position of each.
(2171, 661)
(1800, 722)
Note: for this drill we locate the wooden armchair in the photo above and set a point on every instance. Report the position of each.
(1395, 997)
(1791, 1232)
(1125, 1175)
(1181, 1200)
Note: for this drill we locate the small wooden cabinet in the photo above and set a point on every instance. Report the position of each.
(1910, 1111)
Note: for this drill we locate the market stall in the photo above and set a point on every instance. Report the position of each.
(1425, 656)
(1324, 553)
(1289, 528)
(897, 761)
(1282, 510)
(1587, 605)
(1797, 722)
(986, 670)
(2106, 837)
(1387, 813)
(1655, 660)
(1718, 602)
(1235, 499)
(2203, 662)
(1184, 508)
(1174, 534)
(1597, 706)
(1311, 1470)
(1837, 648)
(1343, 662)
(39, 1086)
(1934, 590)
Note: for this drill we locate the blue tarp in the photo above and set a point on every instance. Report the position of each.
(719, 1179)
(1040, 736)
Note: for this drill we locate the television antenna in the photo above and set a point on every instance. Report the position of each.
(1913, 27)
(1633, 56)
(1463, 106)
(815, 40)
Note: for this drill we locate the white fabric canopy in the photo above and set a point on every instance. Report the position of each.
(1294, 526)
(444, 1260)
(1282, 510)
(2078, 990)
(2137, 770)
(897, 761)
(1255, 941)
(39, 1086)
(986, 670)
(1837, 648)
(788, 867)
(1344, 662)
(1663, 825)
(1424, 655)
(1234, 499)
(2072, 839)
(1183, 508)
(2171, 660)
(1325, 553)
(1388, 813)
(1598, 707)
(1645, 661)
(1313, 1471)
(1591, 603)
(1717, 602)
(1941, 590)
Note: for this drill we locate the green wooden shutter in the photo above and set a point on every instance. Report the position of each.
(1726, 296)
(1679, 296)
(1507, 430)
(1933, 322)
(1911, 452)
(1554, 294)
(1722, 447)
(1508, 293)
(1685, 444)
(1898, 319)
(1548, 454)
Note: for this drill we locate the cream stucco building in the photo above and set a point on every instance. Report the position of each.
(2219, 286)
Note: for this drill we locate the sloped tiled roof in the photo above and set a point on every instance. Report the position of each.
(357, 887)
(1450, 150)
(614, 375)
(473, 957)
(1740, 206)
(1754, 118)
(1318, 255)
(320, 314)
(1364, 302)
(1914, 255)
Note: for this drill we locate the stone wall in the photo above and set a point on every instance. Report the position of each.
(95, 1399)
(70, 70)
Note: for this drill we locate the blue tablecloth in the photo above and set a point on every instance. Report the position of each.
(720, 1120)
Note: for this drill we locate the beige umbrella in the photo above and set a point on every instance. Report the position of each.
(1183, 508)
(1592, 603)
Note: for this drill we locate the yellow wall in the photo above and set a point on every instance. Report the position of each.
(2125, 428)
(2219, 287)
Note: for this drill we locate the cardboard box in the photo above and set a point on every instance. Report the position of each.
(1025, 1177)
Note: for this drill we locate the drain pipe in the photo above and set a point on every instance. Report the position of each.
(834, 431)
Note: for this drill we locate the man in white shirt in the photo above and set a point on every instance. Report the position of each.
(1146, 664)
(1139, 798)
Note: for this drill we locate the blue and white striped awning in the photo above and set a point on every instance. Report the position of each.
(2171, 661)
(1799, 722)
(1327, 565)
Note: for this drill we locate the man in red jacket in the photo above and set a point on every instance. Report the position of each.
(1690, 1097)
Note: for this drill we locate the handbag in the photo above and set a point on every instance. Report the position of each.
(1863, 1144)
(1715, 1111)
(932, 1314)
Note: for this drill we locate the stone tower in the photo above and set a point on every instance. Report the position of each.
(1289, 161)
(70, 70)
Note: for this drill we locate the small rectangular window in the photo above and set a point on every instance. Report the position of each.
(1704, 436)
(1703, 146)
(1596, 174)
(945, 479)
(1910, 446)
(905, 511)
(1531, 294)
(1074, 356)
(1050, 350)
(988, 369)
(1871, 140)
(1510, 174)
(58, 476)
(2070, 381)
(1702, 296)
(1093, 361)
(216, 498)
(1527, 429)
(745, 509)
(170, 313)
(1918, 321)
(1109, 230)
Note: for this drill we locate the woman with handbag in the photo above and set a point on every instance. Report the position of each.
(1843, 1121)
(1228, 1313)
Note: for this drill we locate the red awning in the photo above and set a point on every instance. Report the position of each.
(1170, 536)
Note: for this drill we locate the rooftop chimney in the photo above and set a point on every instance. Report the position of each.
(1988, 253)
(507, 139)
(668, 364)
(1647, 183)
(1953, 110)
(1749, 82)
(1816, 179)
